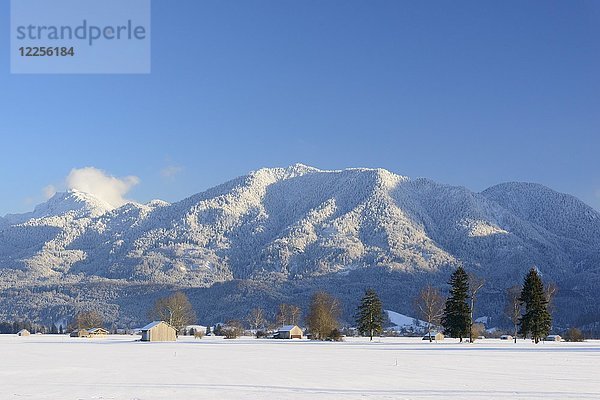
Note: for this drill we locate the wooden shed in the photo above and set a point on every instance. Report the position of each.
(23, 332)
(159, 331)
(289, 332)
(434, 336)
(97, 332)
(506, 337)
(553, 338)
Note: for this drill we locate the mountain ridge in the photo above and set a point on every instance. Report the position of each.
(299, 224)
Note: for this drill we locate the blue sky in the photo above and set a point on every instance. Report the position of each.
(471, 93)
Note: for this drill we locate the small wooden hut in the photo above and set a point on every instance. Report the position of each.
(289, 332)
(80, 333)
(437, 336)
(159, 331)
(97, 332)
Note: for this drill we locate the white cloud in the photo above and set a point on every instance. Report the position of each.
(170, 171)
(49, 191)
(98, 183)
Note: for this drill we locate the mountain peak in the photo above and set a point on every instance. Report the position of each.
(302, 168)
(285, 172)
(158, 203)
(82, 203)
(75, 202)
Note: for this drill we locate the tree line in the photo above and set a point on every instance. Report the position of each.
(32, 327)
(528, 307)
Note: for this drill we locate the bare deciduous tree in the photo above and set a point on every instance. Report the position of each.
(88, 320)
(475, 285)
(323, 315)
(295, 313)
(288, 314)
(233, 329)
(477, 330)
(551, 290)
(429, 305)
(513, 307)
(256, 319)
(175, 309)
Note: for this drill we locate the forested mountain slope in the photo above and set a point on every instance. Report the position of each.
(277, 234)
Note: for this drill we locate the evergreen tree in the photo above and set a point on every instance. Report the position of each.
(536, 320)
(370, 314)
(457, 313)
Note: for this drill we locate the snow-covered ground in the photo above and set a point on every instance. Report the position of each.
(58, 367)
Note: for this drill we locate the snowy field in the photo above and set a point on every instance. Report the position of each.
(59, 367)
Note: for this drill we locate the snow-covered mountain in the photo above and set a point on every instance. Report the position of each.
(302, 228)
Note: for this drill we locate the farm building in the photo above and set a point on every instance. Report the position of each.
(80, 333)
(191, 329)
(97, 332)
(289, 332)
(434, 336)
(553, 338)
(23, 332)
(159, 331)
